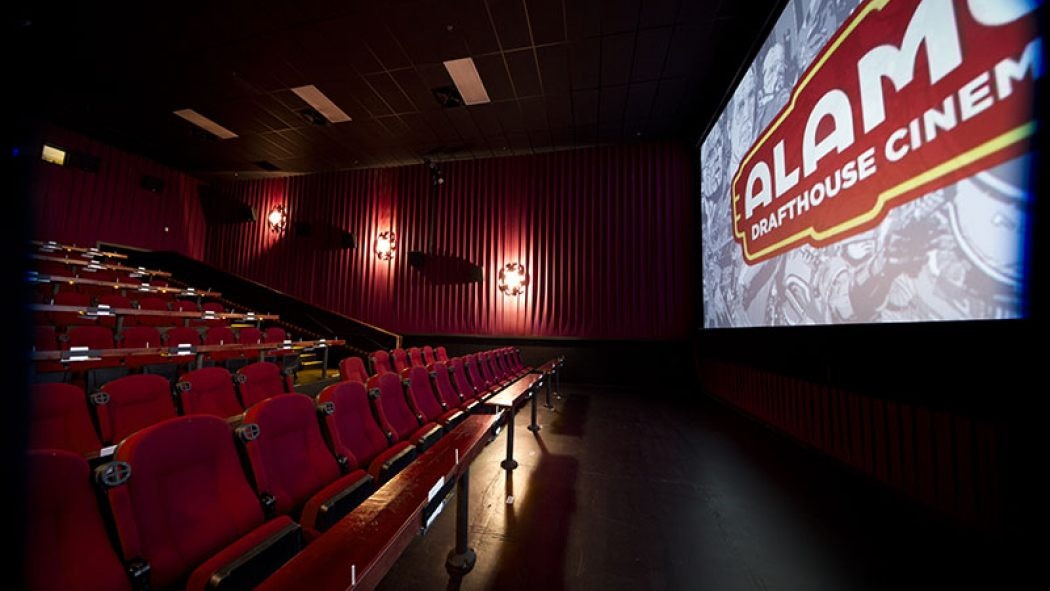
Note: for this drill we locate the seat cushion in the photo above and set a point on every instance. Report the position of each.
(201, 576)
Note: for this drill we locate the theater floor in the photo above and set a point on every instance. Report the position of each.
(625, 490)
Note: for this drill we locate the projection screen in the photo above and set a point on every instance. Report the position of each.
(872, 165)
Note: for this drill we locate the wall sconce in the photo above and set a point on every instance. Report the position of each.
(278, 219)
(513, 279)
(386, 245)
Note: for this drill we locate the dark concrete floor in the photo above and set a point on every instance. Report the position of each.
(624, 490)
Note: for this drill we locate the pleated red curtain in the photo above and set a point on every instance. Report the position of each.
(80, 207)
(606, 235)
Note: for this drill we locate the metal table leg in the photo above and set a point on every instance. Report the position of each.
(461, 559)
(510, 463)
(533, 426)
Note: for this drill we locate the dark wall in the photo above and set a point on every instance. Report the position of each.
(605, 234)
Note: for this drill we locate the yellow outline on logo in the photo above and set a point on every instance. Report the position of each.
(990, 147)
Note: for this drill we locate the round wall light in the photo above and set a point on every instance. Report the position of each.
(513, 279)
(386, 245)
(278, 219)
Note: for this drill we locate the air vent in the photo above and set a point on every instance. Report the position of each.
(313, 116)
(447, 96)
(267, 165)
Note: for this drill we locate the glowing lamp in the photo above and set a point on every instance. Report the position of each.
(386, 245)
(513, 279)
(278, 219)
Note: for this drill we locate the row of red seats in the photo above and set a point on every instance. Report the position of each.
(136, 337)
(400, 359)
(153, 303)
(62, 414)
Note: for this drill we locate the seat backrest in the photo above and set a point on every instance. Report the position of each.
(485, 367)
(44, 338)
(380, 362)
(219, 335)
(400, 360)
(464, 387)
(352, 368)
(186, 498)
(495, 368)
(60, 419)
(391, 407)
(420, 394)
(289, 457)
(141, 337)
(218, 309)
(185, 306)
(500, 362)
(440, 354)
(208, 391)
(274, 334)
(351, 423)
(67, 547)
(249, 335)
(154, 303)
(473, 364)
(261, 380)
(415, 357)
(443, 385)
(130, 403)
(93, 337)
(428, 355)
(71, 298)
(182, 335)
(114, 300)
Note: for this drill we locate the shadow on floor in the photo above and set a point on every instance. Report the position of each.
(572, 416)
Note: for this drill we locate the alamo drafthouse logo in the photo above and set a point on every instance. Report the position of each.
(908, 96)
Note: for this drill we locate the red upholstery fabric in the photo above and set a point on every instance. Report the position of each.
(441, 355)
(487, 370)
(415, 357)
(262, 380)
(45, 339)
(221, 335)
(187, 498)
(289, 458)
(353, 369)
(60, 419)
(211, 393)
(182, 335)
(276, 334)
(249, 335)
(200, 576)
(158, 304)
(66, 544)
(135, 401)
(421, 396)
(381, 362)
(428, 355)
(213, 307)
(185, 306)
(71, 298)
(465, 389)
(400, 360)
(444, 389)
(477, 378)
(93, 337)
(353, 429)
(142, 337)
(392, 407)
(115, 300)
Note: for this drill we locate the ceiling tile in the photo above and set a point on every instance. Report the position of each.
(522, 66)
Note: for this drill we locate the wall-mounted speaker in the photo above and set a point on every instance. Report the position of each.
(347, 239)
(152, 183)
(220, 209)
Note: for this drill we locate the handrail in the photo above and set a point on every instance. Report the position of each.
(96, 311)
(139, 287)
(171, 351)
(85, 263)
(51, 246)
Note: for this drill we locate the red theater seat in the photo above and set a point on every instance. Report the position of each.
(67, 548)
(400, 360)
(441, 355)
(208, 391)
(71, 298)
(60, 419)
(130, 403)
(425, 402)
(415, 358)
(380, 362)
(45, 339)
(157, 305)
(428, 356)
(142, 337)
(221, 335)
(464, 387)
(259, 381)
(217, 309)
(115, 300)
(483, 386)
(182, 503)
(356, 435)
(396, 416)
(446, 392)
(291, 463)
(353, 369)
(249, 335)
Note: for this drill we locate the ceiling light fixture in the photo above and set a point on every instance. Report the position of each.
(206, 124)
(321, 103)
(468, 82)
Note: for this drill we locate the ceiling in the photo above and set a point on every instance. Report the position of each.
(561, 73)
